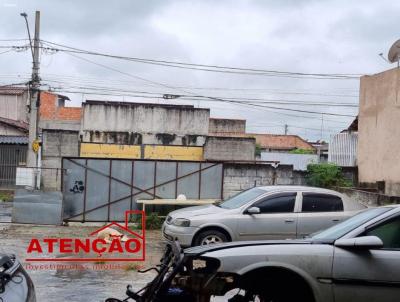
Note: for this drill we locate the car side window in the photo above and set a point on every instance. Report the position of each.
(279, 203)
(388, 232)
(316, 202)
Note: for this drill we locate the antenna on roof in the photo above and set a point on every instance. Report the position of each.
(383, 58)
(394, 53)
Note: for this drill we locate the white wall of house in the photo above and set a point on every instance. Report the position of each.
(299, 161)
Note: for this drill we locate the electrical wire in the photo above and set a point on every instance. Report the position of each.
(207, 97)
(204, 67)
(212, 98)
(6, 51)
(188, 97)
(93, 80)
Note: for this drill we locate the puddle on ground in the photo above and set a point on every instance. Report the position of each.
(76, 285)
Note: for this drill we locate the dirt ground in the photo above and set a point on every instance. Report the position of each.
(92, 282)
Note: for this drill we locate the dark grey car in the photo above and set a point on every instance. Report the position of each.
(15, 283)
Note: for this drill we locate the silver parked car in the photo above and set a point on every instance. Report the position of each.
(356, 260)
(271, 212)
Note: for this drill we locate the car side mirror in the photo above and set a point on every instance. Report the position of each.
(364, 242)
(253, 210)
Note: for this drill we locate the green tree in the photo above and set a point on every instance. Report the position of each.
(326, 175)
(258, 150)
(301, 151)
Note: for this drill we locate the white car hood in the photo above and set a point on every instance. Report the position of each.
(196, 211)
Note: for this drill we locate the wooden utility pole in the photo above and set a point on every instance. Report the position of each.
(34, 102)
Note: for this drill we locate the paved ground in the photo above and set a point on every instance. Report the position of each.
(74, 285)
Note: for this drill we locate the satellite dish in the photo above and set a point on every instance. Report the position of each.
(394, 52)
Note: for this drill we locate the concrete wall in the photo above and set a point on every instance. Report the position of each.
(135, 138)
(222, 125)
(173, 152)
(370, 199)
(239, 176)
(60, 137)
(7, 130)
(14, 107)
(139, 123)
(141, 151)
(299, 161)
(229, 148)
(379, 131)
(56, 144)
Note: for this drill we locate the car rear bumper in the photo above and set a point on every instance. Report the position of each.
(184, 235)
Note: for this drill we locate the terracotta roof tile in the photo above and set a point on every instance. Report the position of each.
(13, 123)
(273, 141)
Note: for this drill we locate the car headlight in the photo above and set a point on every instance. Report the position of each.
(182, 222)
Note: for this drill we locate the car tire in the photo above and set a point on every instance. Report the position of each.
(210, 237)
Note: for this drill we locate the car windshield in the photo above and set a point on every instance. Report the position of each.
(241, 198)
(348, 225)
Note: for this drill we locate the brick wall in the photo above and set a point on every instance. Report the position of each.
(49, 109)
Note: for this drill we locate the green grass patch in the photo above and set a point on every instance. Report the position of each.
(6, 196)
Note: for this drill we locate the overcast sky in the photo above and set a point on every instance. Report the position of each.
(298, 35)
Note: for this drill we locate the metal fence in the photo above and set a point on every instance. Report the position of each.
(11, 156)
(103, 189)
(343, 149)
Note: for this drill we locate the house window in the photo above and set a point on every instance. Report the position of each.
(60, 102)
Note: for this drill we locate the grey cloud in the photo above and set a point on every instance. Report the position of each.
(294, 35)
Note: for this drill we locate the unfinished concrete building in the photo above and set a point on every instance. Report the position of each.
(378, 132)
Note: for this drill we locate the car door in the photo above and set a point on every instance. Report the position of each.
(318, 211)
(276, 220)
(370, 275)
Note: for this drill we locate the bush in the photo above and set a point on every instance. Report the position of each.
(326, 175)
(258, 150)
(153, 221)
(301, 151)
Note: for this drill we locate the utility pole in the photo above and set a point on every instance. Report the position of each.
(34, 103)
(322, 126)
(286, 129)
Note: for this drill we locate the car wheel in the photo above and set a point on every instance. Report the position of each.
(210, 237)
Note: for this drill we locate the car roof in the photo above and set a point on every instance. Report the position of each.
(297, 188)
(391, 206)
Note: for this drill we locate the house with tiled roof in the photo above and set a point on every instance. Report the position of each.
(56, 120)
